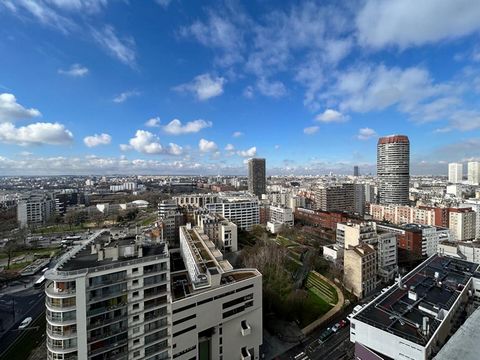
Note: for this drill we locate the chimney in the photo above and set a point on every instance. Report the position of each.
(425, 326)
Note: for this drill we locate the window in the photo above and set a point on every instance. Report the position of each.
(136, 341)
(135, 270)
(136, 318)
(135, 294)
(135, 282)
(220, 351)
(136, 306)
(136, 354)
(136, 329)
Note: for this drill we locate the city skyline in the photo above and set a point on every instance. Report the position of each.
(101, 87)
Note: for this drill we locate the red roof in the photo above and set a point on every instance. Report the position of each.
(394, 139)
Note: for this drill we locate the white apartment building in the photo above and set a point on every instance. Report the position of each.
(221, 231)
(281, 215)
(462, 223)
(473, 172)
(384, 243)
(402, 214)
(238, 207)
(118, 298)
(35, 209)
(195, 200)
(474, 204)
(414, 318)
(216, 309)
(466, 250)
(110, 298)
(455, 173)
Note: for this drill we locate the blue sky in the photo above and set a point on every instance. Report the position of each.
(189, 87)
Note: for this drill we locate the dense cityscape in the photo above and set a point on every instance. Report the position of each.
(273, 267)
(239, 180)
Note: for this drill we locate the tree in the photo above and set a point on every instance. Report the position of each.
(9, 249)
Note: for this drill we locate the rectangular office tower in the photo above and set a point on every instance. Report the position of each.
(455, 173)
(393, 169)
(257, 180)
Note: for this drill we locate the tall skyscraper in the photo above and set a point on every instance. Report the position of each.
(393, 169)
(474, 172)
(455, 173)
(356, 172)
(257, 181)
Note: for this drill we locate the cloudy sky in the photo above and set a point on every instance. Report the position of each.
(190, 87)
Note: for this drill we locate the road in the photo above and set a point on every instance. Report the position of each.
(28, 303)
(335, 347)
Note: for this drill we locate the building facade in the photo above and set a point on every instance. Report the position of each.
(455, 173)
(257, 178)
(35, 209)
(393, 169)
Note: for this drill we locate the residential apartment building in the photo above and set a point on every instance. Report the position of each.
(462, 223)
(240, 208)
(414, 318)
(473, 172)
(216, 310)
(35, 209)
(455, 173)
(397, 214)
(349, 197)
(465, 250)
(257, 178)
(350, 235)
(416, 240)
(393, 169)
(127, 298)
(360, 269)
(170, 218)
(281, 215)
(110, 298)
(474, 204)
(219, 230)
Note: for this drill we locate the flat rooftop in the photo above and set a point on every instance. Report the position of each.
(85, 259)
(436, 285)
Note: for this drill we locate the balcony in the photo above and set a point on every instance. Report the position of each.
(246, 354)
(54, 292)
(105, 309)
(246, 328)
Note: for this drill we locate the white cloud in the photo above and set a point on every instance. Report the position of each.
(153, 122)
(147, 143)
(406, 23)
(95, 140)
(207, 146)
(330, 115)
(366, 134)
(275, 88)
(35, 134)
(237, 134)
(248, 153)
(11, 110)
(248, 92)
(89, 6)
(251, 152)
(204, 86)
(120, 98)
(76, 70)
(311, 130)
(175, 127)
(229, 147)
(121, 48)
(276, 147)
(163, 3)
(222, 31)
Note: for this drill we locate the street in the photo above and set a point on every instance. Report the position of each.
(16, 307)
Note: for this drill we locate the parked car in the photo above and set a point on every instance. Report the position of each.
(341, 324)
(326, 334)
(25, 323)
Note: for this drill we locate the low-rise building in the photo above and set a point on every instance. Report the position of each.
(414, 318)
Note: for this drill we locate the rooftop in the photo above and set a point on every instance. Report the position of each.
(429, 291)
(86, 255)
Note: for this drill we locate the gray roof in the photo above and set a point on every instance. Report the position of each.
(464, 343)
